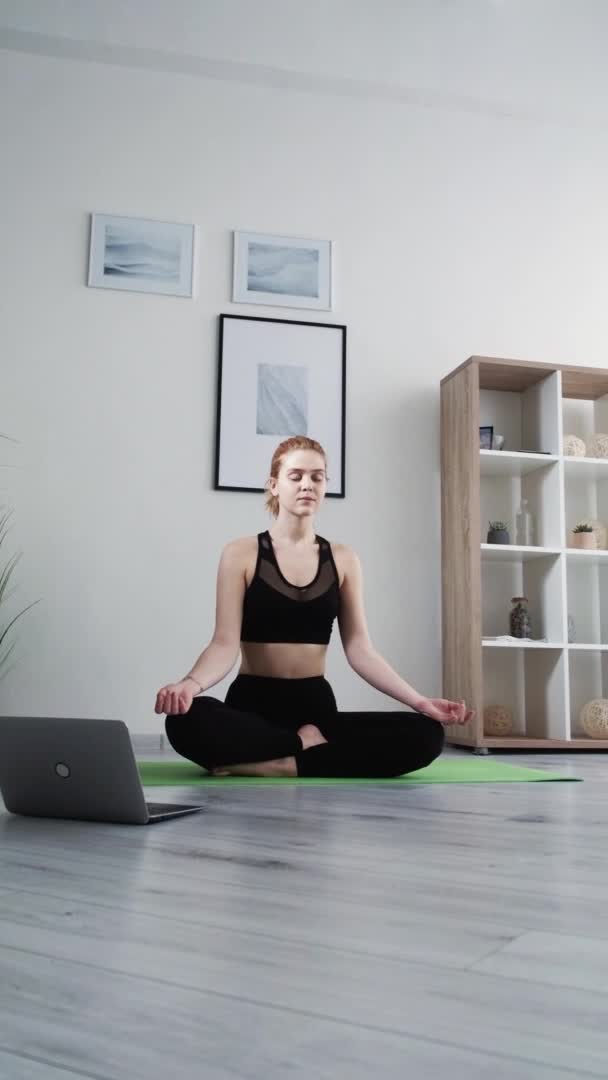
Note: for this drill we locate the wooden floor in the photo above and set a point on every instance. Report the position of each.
(456, 931)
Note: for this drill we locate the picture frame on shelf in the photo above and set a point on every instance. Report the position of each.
(486, 437)
(282, 271)
(278, 378)
(141, 255)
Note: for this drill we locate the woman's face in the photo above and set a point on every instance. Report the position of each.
(301, 483)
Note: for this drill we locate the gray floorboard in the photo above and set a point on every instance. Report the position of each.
(347, 932)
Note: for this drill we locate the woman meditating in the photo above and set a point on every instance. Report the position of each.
(278, 594)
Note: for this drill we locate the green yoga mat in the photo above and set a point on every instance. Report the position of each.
(443, 771)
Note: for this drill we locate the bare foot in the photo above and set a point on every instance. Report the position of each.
(310, 736)
(279, 767)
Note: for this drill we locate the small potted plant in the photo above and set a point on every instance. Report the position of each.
(583, 536)
(498, 533)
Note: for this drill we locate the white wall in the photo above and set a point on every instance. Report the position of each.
(460, 227)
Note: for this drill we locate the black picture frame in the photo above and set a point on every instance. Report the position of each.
(274, 375)
(486, 437)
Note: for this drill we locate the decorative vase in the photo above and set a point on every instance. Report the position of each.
(599, 530)
(573, 446)
(498, 536)
(598, 446)
(585, 540)
(594, 718)
(497, 720)
(519, 618)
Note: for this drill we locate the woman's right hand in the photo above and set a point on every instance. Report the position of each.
(175, 697)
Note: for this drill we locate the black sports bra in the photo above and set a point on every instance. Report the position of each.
(276, 610)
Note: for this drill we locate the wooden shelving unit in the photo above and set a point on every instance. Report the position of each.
(545, 683)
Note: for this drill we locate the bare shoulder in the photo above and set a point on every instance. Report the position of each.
(343, 551)
(240, 556)
(242, 546)
(345, 558)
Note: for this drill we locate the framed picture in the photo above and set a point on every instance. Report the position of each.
(278, 378)
(141, 255)
(282, 270)
(486, 434)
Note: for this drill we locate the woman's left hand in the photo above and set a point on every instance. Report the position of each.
(447, 712)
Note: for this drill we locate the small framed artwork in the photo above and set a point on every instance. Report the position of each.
(278, 378)
(142, 255)
(288, 271)
(486, 435)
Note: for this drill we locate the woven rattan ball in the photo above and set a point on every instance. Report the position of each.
(594, 718)
(497, 720)
(573, 446)
(598, 446)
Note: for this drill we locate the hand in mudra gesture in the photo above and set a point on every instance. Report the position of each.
(175, 697)
(447, 712)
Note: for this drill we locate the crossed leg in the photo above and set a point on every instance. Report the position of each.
(344, 744)
(309, 736)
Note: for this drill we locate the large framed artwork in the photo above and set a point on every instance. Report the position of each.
(142, 255)
(277, 378)
(286, 271)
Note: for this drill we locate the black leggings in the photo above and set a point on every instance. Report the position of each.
(259, 719)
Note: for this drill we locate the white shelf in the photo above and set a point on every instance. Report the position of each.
(588, 679)
(594, 556)
(586, 498)
(512, 462)
(527, 675)
(522, 643)
(516, 552)
(529, 679)
(521, 553)
(591, 468)
(544, 683)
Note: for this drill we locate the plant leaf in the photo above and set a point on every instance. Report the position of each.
(4, 659)
(12, 622)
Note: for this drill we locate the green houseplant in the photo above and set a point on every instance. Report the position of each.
(583, 536)
(7, 569)
(498, 533)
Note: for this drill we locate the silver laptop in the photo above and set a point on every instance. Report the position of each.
(71, 768)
